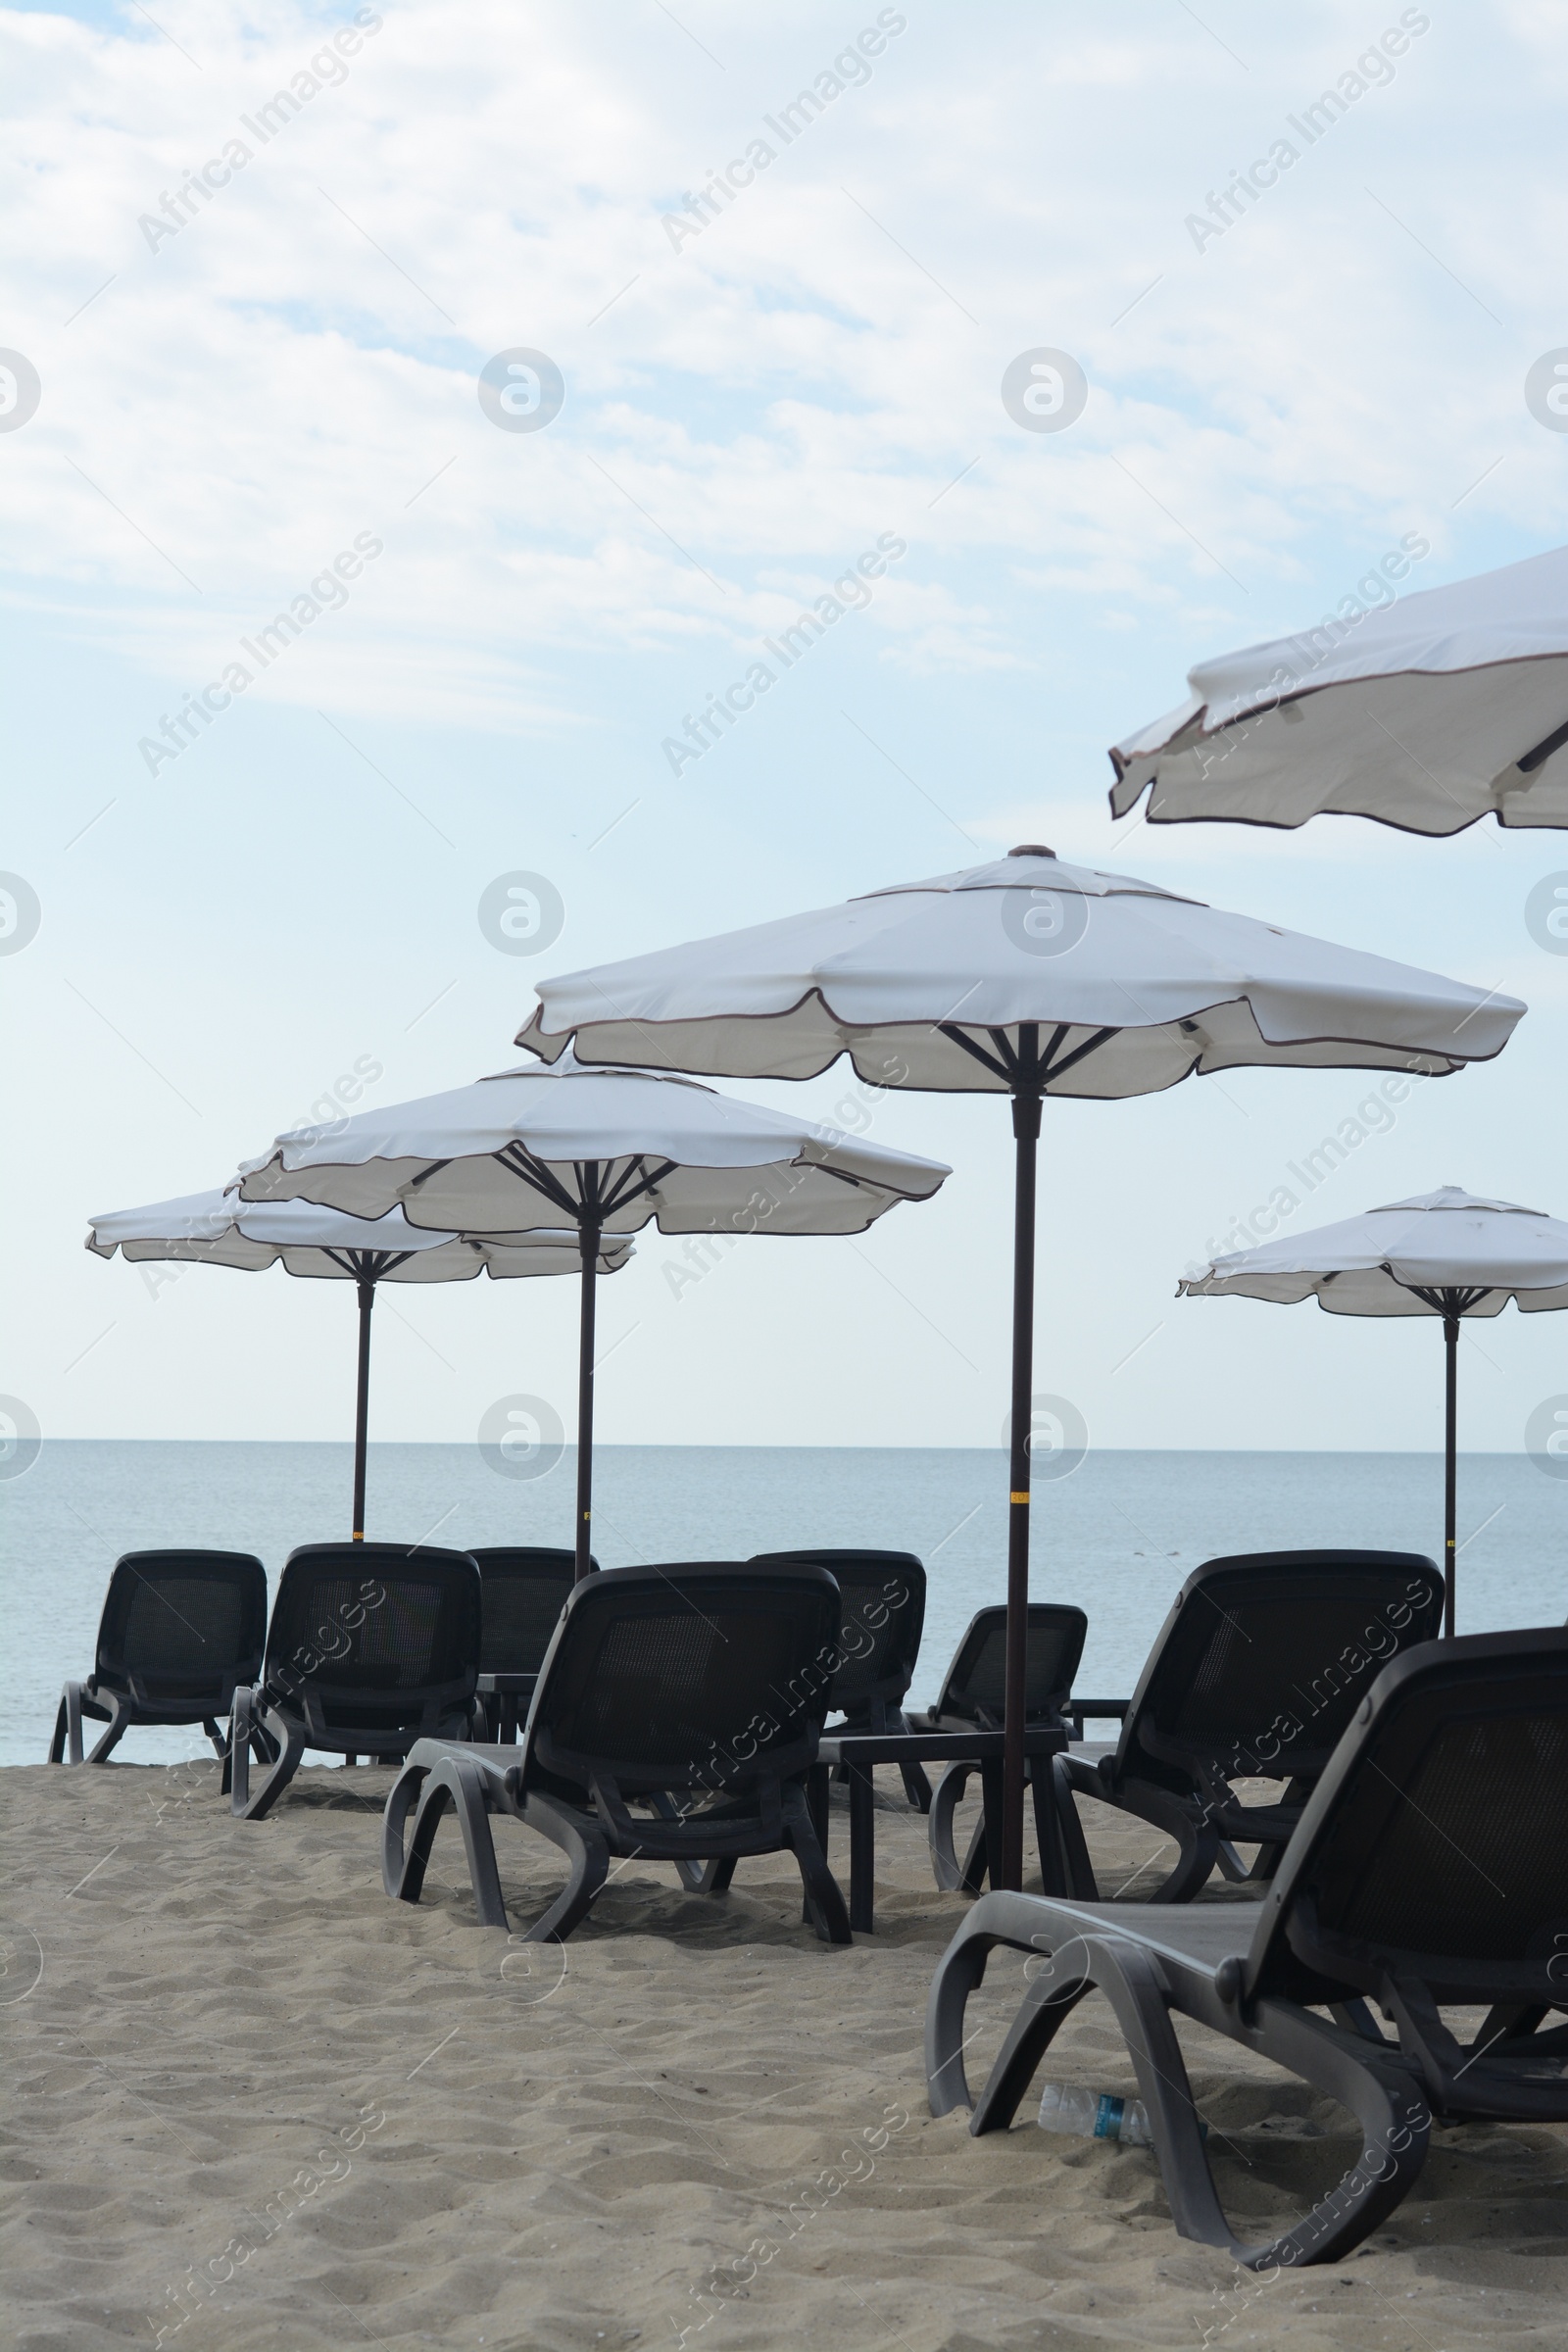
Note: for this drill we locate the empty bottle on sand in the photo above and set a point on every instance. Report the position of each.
(1095, 2114)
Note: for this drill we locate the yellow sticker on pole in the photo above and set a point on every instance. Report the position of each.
(1019, 1497)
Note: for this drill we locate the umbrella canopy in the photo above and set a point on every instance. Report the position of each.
(1443, 1253)
(1426, 714)
(932, 983)
(219, 1229)
(607, 1148)
(1028, 977)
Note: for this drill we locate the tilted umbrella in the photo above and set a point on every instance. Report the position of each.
(1024, 977)
(1427, 714)
(219, 1229)
(1443, 1254)
(606, 1150)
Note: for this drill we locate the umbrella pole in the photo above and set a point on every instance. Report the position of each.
(362, 1407)
(1450, 1336)
(1026, 1131)
(582, 1544)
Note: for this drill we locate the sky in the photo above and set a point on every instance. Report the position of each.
(295, 387)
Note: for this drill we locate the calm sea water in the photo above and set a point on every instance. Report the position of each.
(1117, 1536)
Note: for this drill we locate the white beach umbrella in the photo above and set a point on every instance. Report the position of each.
(1443, 1254)
(606, 1150)
(1025, 977)
(1428, 713)
(218, 1229)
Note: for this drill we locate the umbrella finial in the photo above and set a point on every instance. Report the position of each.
(1031, 848)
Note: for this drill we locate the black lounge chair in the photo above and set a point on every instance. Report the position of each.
(696, 1691)
(882, 1618)
(1429, 1869)
(179, 1632)
(972, 1700)
(372, 1646)
(525, 1588)
(1256, 1671)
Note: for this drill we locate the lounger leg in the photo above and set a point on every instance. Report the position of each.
(717, 1875)
(1394, 2119)
(121, 1719)
(1200, 1851)
(945, 1869)
(693, 1875)
(1072, 1844)
(1395, 2124)
(824, 1900)
(404, 1796)
(1046, 2007)
(245, 1722)
(68, 1726)
(916, 1787)
(456, 1783)
(218, 1738)
(589, 1858)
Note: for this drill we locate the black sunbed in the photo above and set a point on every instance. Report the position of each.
(1428, 1870)
(372, 1646)
(179, 1631)
(524, 1588)
(694, 1689)
(1259, 1668)
(882, 1618)
(972, 1697)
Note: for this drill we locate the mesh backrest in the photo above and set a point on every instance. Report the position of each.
(183, 1622)
(975, 1690)
(686, 1675)
(1264, 1660)
(881, 1621)
(375, 1617)
(525, 1590)
(1443, 1825)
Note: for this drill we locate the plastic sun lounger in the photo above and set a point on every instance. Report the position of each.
(696, 1690)
(524, 1588)
(1256, 1671)
(179, 1631)
(879, 1641)
(372, 1646)
(1429, 1869)
(972, 1699)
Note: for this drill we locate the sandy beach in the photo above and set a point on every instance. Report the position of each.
(254, 2103)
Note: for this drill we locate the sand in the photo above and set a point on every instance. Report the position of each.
(254, 2103)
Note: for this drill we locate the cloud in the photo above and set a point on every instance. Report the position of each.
(297, 358)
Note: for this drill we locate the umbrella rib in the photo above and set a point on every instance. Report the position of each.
(1453, 1298)
(1544, 750)
(618, 1198)
(998, 1069)
(1060, 1068)
(531, 1171)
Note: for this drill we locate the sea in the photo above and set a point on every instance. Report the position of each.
(1118, 1535)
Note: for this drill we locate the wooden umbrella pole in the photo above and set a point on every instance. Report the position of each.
(583, 1543)
(1026, 1130)
(362, 1407)
(1450, 1336)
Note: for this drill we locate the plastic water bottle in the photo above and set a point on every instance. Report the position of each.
(1095, 2114)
